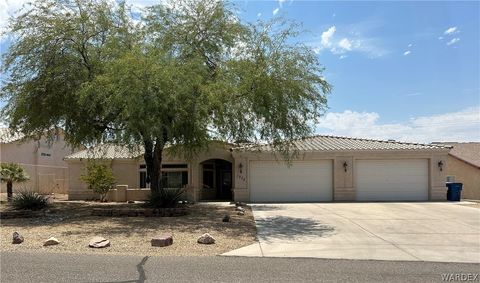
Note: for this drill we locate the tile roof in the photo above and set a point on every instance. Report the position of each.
(107, 151)
(7, 137)
(468, 152)
(334, 143)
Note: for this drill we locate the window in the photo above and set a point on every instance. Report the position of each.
(143, 179)
(175, 179)
(173, 175)
(174, 166)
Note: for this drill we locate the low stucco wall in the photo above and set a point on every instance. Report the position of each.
(467, 174)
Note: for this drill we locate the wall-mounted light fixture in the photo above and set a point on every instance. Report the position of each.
(440, 165)
(345, 165)
(240, 167)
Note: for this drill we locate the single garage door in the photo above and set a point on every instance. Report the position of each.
(304, 181)
(392, 180)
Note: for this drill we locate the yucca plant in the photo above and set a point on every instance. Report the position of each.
(165, 197)
(12, 173)
(29, 200)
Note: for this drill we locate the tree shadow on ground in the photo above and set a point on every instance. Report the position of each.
(266, 207)
(77, 220)
(291, 228)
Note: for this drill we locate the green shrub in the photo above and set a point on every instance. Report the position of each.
(29, 200)
(165, 198)
(99, 178)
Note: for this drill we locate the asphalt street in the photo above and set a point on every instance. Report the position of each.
(55, 267)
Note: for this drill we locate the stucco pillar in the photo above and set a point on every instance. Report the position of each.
(121, 194)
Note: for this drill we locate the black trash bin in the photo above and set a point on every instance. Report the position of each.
(454, 191)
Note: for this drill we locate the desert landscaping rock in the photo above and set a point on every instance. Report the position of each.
(17, 238)
(226, 218)
(162, 240)
(241, 213)
(51, 242)
(99, 242)
(206, 239)
(239, 208)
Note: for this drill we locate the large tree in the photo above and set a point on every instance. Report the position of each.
(179, 76)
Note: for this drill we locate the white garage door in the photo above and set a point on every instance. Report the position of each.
(304, 181)
(392, 180)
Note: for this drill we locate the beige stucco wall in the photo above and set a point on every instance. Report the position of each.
(467, 174)
(344, 182)
(42, 161)
(126, 172)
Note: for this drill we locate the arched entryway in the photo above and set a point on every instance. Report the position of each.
(216, 180)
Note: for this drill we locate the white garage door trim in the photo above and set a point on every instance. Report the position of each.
(304, 181)
(392, 179)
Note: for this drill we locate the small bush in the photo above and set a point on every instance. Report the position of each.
(165, 198)
(99, 178)
(29, 200)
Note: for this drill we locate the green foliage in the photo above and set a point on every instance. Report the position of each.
(99, 178)
(188, 72)
(12, 172)
(29, 200)
(165, 198)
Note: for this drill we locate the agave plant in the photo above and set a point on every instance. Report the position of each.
(12, 173)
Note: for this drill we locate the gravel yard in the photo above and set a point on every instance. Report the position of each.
(73, 226)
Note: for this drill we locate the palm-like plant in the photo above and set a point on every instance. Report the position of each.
(12, 173)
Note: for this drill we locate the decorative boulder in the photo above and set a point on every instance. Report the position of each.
(51, 241)
(99, 242)
(17, 238)
(226, 218)
(206, 239)
(239, 208)
(162, 240)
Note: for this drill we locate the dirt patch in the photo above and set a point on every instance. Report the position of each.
(72, 224)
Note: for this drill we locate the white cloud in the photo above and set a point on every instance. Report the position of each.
(280, 2)
(353, 43)
(345, 44)
(259, 15)
(327, 36)
(407, 52)
(410, 45)
(342, 57)
(453, 41)
(440, 38)
(451, 30)
(463, 125)
(275, 11)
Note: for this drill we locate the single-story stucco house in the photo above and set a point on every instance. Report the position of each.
(464, 167)
(327, 168)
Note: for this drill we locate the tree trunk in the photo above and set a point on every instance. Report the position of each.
(156, 176)
(9, 190)
(148, 156)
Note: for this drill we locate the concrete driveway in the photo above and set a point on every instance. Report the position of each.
(444, 232)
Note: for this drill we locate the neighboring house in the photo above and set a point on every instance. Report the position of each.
(42, 160)
(464, 165)
(327, 168)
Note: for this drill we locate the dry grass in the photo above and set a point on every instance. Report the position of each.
(73, 226)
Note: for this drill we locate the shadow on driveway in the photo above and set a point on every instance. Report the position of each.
(291, 228)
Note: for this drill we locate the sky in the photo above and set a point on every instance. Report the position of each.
(403, 70)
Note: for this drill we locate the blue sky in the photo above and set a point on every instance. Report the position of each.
(403, 70)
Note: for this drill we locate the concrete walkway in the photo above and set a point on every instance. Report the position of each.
(443, 232)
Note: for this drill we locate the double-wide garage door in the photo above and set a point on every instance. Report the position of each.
(304, 181)
(392, 180)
